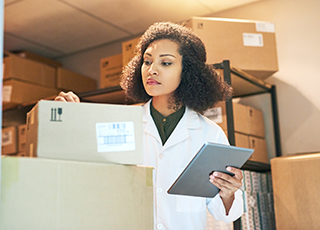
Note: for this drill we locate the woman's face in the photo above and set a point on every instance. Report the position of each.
(161, 68)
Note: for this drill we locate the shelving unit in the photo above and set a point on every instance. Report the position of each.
(246, 85)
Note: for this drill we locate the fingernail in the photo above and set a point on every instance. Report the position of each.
(215, 174)
(229, 168)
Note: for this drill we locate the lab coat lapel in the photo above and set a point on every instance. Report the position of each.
(150, 127)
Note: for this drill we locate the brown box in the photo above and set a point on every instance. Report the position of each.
(28, 70)
(9, 143)
(22, 137)
(110, 70)
(296, 188)
(55, 194)
(256, 122)
(259, 145)
(247, 120)
(16, 92)
(242, 140)
(128, 48)
(36, 57)
(85, 132)
(260, 153)
(249, 45)
(70, 81)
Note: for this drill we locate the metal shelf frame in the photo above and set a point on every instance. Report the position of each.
(264, 87)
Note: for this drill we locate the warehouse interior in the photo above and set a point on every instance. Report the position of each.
(78, 34)
(298, 53)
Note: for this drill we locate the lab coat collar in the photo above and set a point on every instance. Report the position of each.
(190, 120)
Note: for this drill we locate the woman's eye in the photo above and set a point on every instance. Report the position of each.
(146, 62)
(166, 63)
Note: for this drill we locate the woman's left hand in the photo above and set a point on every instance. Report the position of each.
(227, 184)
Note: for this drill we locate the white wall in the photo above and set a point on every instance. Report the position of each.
(298, 80)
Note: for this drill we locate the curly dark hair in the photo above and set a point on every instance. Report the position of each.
(201, 87)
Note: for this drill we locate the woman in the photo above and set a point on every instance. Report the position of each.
(169, 74)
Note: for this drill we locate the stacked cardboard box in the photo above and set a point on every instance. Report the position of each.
(111, 67)
(296, 188)
(128, 48)
(110, 70)
(248, 125)
(85, 132)
(26, 80)
(249, 45)
(85, 175)
(68, 80)
(9, 144)
(28, 77)
(49, 194)
(14, 140)
(258, 201)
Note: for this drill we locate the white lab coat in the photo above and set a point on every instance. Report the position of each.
(174, 212)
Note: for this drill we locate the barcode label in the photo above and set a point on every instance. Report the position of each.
(115, 136)
(250, 39)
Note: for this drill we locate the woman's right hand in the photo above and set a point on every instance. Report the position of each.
(67, 97)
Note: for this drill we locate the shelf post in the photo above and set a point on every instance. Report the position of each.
(229, 107)
(275, 116)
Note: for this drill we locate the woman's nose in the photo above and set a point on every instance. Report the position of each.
(153, 70)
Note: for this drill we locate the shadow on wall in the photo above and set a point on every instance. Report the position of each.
(299, 119)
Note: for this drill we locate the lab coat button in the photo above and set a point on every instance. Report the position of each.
(159, 226)
(161, 156)
(159, 190)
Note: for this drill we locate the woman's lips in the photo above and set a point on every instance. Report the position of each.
(152, 82)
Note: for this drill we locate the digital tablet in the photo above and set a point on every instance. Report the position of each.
(194, 180)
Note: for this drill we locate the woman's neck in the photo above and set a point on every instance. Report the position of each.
(163, 106)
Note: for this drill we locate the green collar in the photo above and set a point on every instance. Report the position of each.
(166, 125)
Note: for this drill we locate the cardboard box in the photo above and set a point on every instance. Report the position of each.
(247, 120)
(249, 45)
(242, 140)
(9, 144)
(85, 132)
(260, 153)
(22, 137)
(38, 58)
(47, 194)
(128, 48)
(259, 145)
(30, 71)
(70, 81)
(17, 92)
(110, 71)
(296, 191)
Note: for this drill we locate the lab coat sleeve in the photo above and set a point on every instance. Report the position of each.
(217, 209)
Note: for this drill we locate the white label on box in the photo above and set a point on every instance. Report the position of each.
(265, 27)
(7, 138)
(214, 114)
(115, 136)
(250, 39)
(6, 93)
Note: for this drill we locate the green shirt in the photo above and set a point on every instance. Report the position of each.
(166, 125)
